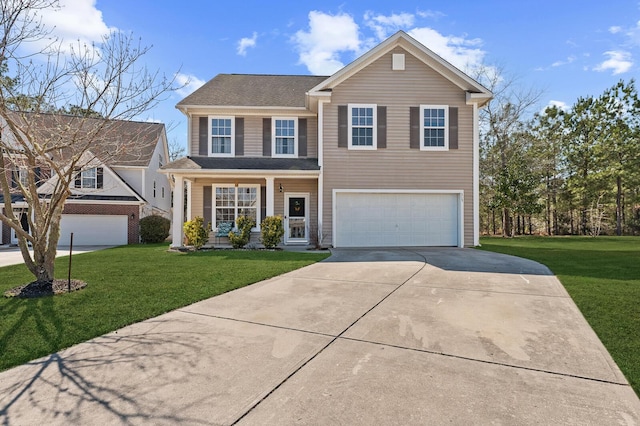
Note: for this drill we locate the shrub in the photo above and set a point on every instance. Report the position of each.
(154, 229)
(272, 231)
(197, 234)
(240, 238)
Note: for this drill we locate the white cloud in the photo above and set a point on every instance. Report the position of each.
(187, 83)
(328, 36)
(461, 52)
(567, 61)
(559, 104)
(615, 29)
(246, 43)
(384, 26)
(75, 21)
(430, 14)
(619, 62)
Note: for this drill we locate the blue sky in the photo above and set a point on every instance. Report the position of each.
(565, 48)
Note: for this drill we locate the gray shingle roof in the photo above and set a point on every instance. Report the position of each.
(117, 142)
(243, 163)
(253, 90)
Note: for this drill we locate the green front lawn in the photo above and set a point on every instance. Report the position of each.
(602, 275)
(125, 285)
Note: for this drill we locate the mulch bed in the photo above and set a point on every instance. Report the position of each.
(39, 289)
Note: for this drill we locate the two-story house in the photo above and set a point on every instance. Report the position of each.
(382, 153)
(119, 184)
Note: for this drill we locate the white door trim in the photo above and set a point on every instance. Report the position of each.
(287, 196)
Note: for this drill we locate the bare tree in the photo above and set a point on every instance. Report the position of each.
(502, 122)
(176, 150)
(105, 79)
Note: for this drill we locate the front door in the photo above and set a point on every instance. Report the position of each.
(21, 214)
(296, 218)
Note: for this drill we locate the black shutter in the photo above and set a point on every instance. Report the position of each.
(38, 175)
(99, 178)
(239, 136)
(302, 137)
(382, 127)
(203, 136)
(15, 175)
(207, 203)
(78, 178)
(453, 127)
(343, 126)
(414, 127)
(266, 137)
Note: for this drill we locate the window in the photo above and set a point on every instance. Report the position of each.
(434, 133)
(285, 136)
(162, 190)
(22, 176)
(89, 179)
(222, 140)
(362, 126)
(154, 189)
(233, 201)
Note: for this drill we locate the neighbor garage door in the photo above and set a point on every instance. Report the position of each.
(367, 219)
(93, 229)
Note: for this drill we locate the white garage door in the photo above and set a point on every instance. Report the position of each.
(396, 219)
(93, 229)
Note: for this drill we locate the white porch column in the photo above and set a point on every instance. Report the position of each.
(270, 195)
(178, 208)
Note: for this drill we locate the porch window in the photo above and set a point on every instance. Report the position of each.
(232, 201)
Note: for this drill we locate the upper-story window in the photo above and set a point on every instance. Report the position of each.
(23, 174)
(434, 129)
(89, 179)
(222, 140)
(285, 135)
(362, 126)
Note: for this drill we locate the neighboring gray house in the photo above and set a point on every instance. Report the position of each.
(382, 153)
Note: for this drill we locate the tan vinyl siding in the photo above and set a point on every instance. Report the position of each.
(253, 128)
(398, 166)
(309, 186)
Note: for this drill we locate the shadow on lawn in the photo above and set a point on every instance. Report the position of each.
(94, 382)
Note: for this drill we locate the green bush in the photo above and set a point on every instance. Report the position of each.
(272, 231)
(197, 234)
(154, 229)
(241, 237)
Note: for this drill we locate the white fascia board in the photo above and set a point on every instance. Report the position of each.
(480, 99)
(117, 202)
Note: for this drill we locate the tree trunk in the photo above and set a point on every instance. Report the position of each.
(506, 223)
(619, 206)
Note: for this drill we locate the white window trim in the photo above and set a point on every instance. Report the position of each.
(94, 178)
(23, 176)
(233, 136)
(446, 128)
(231, 185)
(375, 127)
(273, 138)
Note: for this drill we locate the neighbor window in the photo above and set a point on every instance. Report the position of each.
(221, 136)
(232, 201)
(433, 131)
(285, 137)
(89, 179)
(23, 174)
(362, 126)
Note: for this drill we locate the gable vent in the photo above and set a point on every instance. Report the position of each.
(397, 63)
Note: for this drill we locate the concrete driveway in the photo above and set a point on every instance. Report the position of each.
(422, 336)
(12, 255)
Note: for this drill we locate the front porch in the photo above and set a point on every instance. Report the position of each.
(220, 199)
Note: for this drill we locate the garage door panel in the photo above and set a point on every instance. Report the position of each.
(93, 229)
(396, 219)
